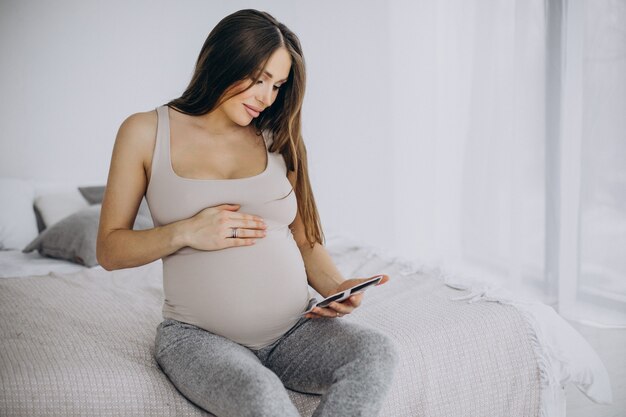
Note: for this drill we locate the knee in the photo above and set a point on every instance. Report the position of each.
(383, 350)
(378, 352)
(264, 395)
(238, 392)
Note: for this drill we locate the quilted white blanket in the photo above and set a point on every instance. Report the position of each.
(81, 343)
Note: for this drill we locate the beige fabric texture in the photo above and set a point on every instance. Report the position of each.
(76, 344)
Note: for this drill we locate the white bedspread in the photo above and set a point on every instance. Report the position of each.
(14, 263)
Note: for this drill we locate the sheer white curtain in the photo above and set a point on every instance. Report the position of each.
(484, 110)
(594, 128)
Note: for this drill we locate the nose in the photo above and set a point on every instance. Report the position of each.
(265, 95)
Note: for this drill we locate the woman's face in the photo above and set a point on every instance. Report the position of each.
(248, 104)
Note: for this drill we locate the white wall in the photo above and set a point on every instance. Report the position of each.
(72, 71)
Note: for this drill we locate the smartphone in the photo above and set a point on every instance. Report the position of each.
(345, 294)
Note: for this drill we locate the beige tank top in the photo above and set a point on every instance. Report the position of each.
(249, 294)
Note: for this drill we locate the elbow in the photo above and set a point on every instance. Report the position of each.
(102, 261)
(103, 265)
(101, 256)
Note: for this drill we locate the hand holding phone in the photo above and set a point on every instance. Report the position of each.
(345, 294)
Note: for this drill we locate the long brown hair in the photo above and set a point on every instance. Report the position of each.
(237, 49)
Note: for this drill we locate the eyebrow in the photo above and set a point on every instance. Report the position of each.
(271, 76)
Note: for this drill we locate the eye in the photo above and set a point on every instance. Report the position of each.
(276, 87)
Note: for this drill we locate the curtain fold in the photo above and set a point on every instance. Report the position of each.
(480, 135)
(598, 56)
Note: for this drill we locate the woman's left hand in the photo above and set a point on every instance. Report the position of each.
(336, 309)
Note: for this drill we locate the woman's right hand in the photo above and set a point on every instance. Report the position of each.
(212, 228)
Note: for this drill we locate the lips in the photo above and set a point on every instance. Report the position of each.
(251, 111)
(253, 108)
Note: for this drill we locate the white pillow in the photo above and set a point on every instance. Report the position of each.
(58, 205)
(18, 224)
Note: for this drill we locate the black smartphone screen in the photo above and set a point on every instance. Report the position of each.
(330, 299)
(365, 285)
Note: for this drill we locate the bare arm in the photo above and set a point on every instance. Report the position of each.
(130, 248)
(118, 246)
(323, 275)
(321, 271)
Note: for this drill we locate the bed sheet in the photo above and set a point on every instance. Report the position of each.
(15, 263)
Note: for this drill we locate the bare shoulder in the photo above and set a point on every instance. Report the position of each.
(141, 121)
(139, 128)
(137, 135)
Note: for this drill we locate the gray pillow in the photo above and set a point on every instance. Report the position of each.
(94, 194)
(74, 237)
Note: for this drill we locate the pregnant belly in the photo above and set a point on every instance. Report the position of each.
(249, 294)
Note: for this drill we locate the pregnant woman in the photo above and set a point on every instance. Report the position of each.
(224, 171)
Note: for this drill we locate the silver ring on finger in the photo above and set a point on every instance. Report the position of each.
(234, 234)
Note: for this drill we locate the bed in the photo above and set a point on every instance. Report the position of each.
(78, 340)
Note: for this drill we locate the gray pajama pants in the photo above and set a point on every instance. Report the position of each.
(350, 365)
